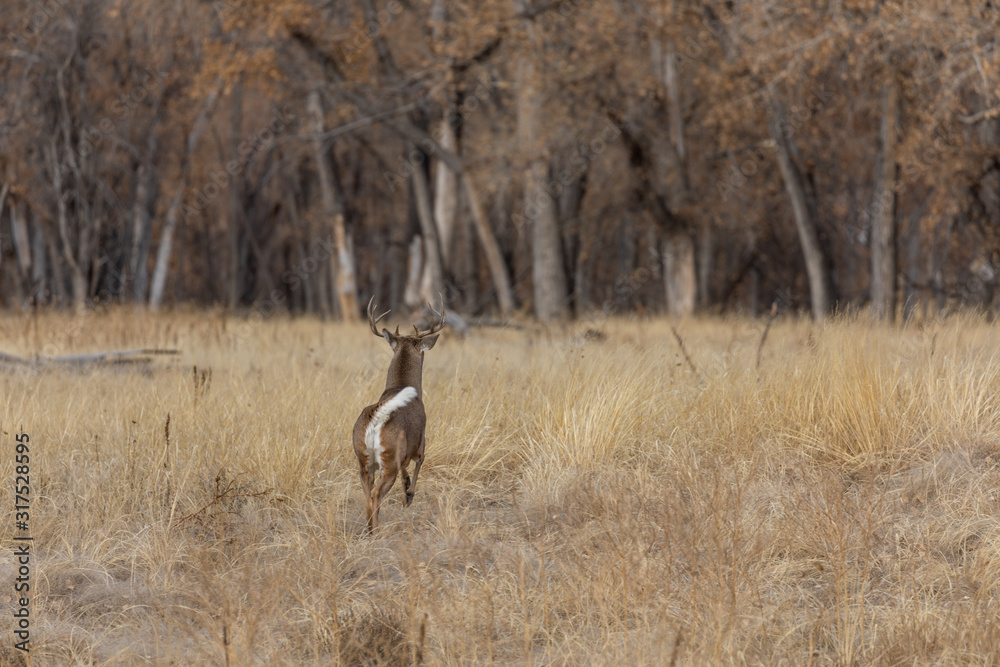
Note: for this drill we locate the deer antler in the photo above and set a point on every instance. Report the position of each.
(434, 327)
(372, 320)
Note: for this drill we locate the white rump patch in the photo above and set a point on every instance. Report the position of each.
(373, 434)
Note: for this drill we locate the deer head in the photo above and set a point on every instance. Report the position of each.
(406, 367)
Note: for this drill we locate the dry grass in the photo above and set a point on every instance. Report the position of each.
(583, 501)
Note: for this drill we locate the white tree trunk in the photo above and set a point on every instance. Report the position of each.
(415, 263)
(679, 274)
(803, 214)
(680, 278)
(165, 251)
(346, 283)
(347, 288)
(19, 238)
(446, 195)
(432, 280)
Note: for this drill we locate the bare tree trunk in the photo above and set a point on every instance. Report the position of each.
(570, 200)
(85, 224)
(940, 295)
(462, 267)
(78, 280)
(397, 258)
(299, 282)
(432, 280)
(415, 263)
(19, 239)
(237, 223)
(679, 274)
(915, 281)
(14, 293)
(164, 252)
(705, 258)
(346, 288)
(58, 279)
(498, 270)
(804, 213)
(989, 195)
(883, 218)
(321, 276)
(584, 269)
(238, 256)
(142, 230)
(671, 82)
(446, 194)
(445, 178)
(547, 275)
(3, 197)
(39, 268)
(308, 297)
(17, 272)
(754, 291)
(494, 259)
(346, 283)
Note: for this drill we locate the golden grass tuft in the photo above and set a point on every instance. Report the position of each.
(585, 499)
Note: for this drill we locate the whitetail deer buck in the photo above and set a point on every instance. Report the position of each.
(390, 433)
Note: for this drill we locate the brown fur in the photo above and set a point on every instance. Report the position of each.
(403, 434)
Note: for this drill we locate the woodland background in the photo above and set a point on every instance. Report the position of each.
(557, 158)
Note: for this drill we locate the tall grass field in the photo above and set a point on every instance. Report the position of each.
(607, 493)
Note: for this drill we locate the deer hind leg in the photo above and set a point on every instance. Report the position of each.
(406, 487)
(378, 492)
(366, 484)
(417, 460)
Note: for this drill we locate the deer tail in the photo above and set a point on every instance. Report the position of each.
(373, 433)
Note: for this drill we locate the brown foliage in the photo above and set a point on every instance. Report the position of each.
(98, 134)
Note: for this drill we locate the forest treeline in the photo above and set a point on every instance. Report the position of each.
(555, 157)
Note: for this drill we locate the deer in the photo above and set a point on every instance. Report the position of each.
(390, 433)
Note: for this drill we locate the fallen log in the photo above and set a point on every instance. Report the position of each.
(142, 356)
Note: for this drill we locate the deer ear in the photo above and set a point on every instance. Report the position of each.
(389, 338)
(428, 343)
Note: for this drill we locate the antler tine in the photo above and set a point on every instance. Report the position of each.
(372, 320)
(434, 327)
